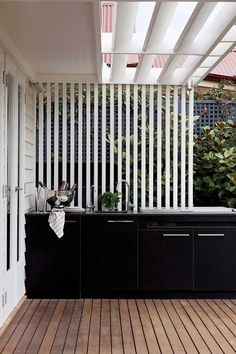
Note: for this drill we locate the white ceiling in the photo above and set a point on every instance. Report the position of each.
(54, 37)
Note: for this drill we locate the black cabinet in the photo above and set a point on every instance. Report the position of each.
(215, 259)
(111, 254)
(109, 257)
(52, 263)
(166, 260)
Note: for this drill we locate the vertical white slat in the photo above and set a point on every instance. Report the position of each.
(41, 138)
(88, 142)
(80, 147)
(175, 149)
(48, 135)
(34, 136)
(159, 146)
(151, 126)
(103, 138)
(112, 138)
(64, 133)
(135, 149)
(183, 147)
(96, 146)
(167, 152)
(120, 141)
(190, 150)
(72, 135)
(143, 155)
(56, 136)
(127, 147)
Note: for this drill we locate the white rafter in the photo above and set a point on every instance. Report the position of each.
(161, 17)
(123, 28)
(188, 32)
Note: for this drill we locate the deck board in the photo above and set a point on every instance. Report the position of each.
(216, 334)
(13, 324)
(192, 330)
(116, 332)
(128, 338)
(83, 335)
(22, 326)
(130, 326)
(199, 324)
(31, 328)
(139, 338)
(151, 340)
(60, 337)
(52, 328)
(105, 330)
(182, 332)
(72, 334)
(94, 335)
(42, 328)
(176, 344)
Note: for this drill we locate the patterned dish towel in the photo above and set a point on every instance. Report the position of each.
(56, 221)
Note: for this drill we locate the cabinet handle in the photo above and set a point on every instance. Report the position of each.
(214, 235)
(175, 235)
(71, 221)
(121, 221)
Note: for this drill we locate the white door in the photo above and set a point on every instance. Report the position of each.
(20, 286)
(13, 210)
(2, 175)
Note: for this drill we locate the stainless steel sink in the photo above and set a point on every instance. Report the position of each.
(74, 210)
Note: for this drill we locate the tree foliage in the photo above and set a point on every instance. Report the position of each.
(215, 165)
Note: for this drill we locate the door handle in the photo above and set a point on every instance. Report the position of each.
(213, 235)
(175, 235)
(71, 221)
(121, 221)
(17, 189)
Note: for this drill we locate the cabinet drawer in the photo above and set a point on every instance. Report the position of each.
(155, 222)
(212, 234)
(111, 223)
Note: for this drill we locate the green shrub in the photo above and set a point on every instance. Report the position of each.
(215, 165)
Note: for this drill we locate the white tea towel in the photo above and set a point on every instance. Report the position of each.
(56, 221)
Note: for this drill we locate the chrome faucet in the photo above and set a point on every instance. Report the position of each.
(91, 206)
(129, 206)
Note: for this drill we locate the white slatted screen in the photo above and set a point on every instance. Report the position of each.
(100, 134)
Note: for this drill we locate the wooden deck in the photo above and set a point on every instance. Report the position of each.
(122, 326)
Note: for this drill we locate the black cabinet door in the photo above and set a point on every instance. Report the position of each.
(149, 255)
(52, 263)
(109, 258)
(166, 260)
(215, 259)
